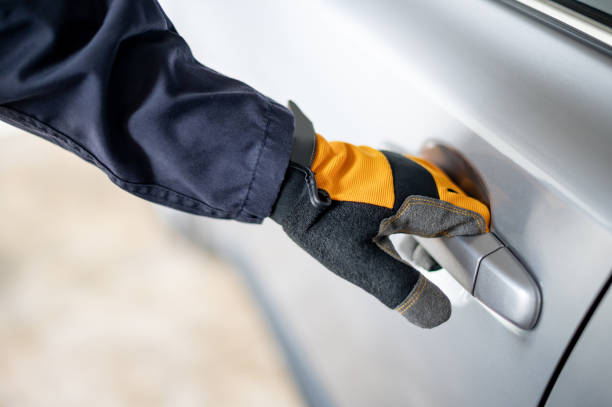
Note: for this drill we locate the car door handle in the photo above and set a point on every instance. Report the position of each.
(489, 271)
(482, 264)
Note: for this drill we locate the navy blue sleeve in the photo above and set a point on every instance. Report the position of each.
(112, 81)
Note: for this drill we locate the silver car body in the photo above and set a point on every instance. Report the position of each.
(530, 108)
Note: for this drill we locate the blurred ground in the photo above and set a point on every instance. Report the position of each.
(102, 305)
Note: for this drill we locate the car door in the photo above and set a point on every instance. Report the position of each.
(528, 107)
(584, 377)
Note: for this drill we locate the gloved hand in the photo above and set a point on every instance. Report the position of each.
(358, 196)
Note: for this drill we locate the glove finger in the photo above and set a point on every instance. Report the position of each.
(429, 217)
(424, 305)
(417, 254)
(381, 273)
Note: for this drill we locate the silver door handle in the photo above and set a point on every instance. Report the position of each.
(489, 271)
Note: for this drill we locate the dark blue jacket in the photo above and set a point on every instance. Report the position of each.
(112, 81)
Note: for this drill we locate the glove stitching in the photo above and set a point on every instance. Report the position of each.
(416, 297)
(403, 312)
(414, 201)
(412, 296)
(454, 209)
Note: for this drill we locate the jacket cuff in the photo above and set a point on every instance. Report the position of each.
(271, 165)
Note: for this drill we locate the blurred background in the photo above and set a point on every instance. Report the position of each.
(108, 300)
(102, 303)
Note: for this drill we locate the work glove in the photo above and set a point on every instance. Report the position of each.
(341, 202)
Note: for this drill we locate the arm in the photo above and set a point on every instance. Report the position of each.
(113, 82)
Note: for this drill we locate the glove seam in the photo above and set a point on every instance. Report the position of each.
(421, 201)
(413, 297)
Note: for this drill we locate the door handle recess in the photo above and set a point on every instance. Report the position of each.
(489, 271)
